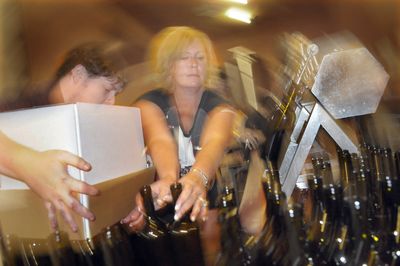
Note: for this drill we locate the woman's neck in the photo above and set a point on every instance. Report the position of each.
(187, 103)
(188, 95)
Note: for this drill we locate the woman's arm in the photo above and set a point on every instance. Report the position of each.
(46, 174)
(164, 154)
(159, 140)
(253, 203)
(215, 138)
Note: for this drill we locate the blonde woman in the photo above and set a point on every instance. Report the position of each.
(186, 126)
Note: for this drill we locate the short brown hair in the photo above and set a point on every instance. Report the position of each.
(99, 59)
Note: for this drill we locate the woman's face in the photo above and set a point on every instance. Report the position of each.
(101, 90)
(90, 89)
(189, 71)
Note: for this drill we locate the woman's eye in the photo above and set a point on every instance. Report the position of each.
(107, 90)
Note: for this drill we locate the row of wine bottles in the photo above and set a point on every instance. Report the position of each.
(162, 241)
(353, 221)
(108, 248)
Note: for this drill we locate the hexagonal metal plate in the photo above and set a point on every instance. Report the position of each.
(350, 83)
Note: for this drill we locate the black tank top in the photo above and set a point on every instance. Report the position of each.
(208, 102)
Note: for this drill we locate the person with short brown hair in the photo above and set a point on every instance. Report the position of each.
(89, 73)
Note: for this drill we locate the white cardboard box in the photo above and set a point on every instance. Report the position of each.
(109, 137)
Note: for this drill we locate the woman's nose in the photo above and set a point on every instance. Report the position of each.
(193, 61)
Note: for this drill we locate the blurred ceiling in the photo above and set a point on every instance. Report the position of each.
(48, 28)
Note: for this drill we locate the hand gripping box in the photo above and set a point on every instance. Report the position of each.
(109, 137)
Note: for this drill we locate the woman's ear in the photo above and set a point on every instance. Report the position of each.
(79, 73)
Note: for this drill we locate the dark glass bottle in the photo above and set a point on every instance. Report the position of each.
(336, 229)
(114, 247)
(315, 185)
(273, 244)
(295, 235)
(10, 250)
(361, 242)
(382, 208)
(231, 245)
(367, 177)
(376, 212)
(152, 245)
(3, 254)
(358, 206)
(345, 219)
(185, 236)
(86, 254)
(397, 165)
(37, 252)
(316, 229)
(3, 250)
(346, 169)
(61, 251)
(389, 189)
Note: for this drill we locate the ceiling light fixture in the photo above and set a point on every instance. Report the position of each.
(239, 14)
(243, 2)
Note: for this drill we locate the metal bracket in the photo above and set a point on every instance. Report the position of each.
(295, 157)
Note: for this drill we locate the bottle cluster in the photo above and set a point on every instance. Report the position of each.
(162, 241)
(350, 220)
(353, 220)
(108, 248)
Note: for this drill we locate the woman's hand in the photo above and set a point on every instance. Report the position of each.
(251, 138)
(161, 196)
(194, 195)
(135, 219)
(46, 174)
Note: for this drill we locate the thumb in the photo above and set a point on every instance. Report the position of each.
(164, 196)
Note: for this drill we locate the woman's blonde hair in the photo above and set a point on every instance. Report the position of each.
(167, 47)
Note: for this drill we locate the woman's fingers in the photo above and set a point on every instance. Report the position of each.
(66, 204)
(204, 211)
(78, 186)
(73, 160)
(161, 192)
(136, 212)
(162, 197)
(192, 189)
(65, 194)
(66, 214)
(138, 224)
(135, 219)
(185, 201)
(77, 207)
(199, 209)
(51, 213)
(132, 216)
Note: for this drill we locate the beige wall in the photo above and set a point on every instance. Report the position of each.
(49, 28)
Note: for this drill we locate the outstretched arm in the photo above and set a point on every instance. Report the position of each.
(164, 154)
(46, 174)
(215, 138)
(253, 204)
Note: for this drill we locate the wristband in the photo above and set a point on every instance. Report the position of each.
(203, 176)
